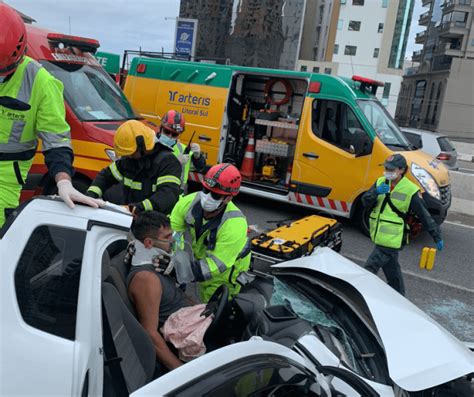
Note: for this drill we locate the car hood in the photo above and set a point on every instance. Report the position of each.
(426, 161)
(420, 352)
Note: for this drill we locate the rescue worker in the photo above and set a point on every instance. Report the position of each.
(151, 285)
(393, 197)
(218, 231)
(147, 171)
(172, 126)
(31, 108)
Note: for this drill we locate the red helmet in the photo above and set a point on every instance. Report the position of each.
(173, 121)
(223, 179)
(12, 39)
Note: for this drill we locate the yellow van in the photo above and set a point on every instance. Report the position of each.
(309, 139)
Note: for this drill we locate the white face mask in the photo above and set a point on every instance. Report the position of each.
(390, 175)
(208, 203)
(146, 256)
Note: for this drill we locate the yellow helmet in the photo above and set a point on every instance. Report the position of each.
(133, 136)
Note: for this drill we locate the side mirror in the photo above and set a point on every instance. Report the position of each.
(362, 145)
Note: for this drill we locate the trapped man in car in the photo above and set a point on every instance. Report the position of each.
(392, 198)
(151, 285)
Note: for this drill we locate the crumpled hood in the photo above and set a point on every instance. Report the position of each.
(420, 352)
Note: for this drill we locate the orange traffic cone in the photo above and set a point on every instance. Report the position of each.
(288, 174)
(249, 159)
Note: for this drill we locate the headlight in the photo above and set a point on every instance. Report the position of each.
(111, 154)
(426, 180)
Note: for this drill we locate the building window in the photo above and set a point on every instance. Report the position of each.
(376, 52)
(350, 50)
(47, 279)
(430, 102)
(354, 25)
(315, 69)
(435, 110)
(327, 70)
(304, 68)
(400, 34)
(386, 93)
(472, 43)
(384, 3)
(340, 24)
(357, 2)
(336, 48)
(380, 28)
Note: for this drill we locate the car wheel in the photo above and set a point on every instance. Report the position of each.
(362, 219)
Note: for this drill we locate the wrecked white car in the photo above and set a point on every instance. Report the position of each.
(316, 326)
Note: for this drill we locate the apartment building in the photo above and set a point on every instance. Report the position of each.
(358, 37)
(439, 96)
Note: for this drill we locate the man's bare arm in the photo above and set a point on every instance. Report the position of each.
(145, 291)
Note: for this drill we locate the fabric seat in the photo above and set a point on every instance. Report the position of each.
(118, 278)
(135, 351)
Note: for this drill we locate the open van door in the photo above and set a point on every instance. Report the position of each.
(332, 156)
(198, 91)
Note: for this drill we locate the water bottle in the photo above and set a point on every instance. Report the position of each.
(182, 265)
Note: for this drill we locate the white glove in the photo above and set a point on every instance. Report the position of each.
(195, 149)
(69, 195)
(183, 159)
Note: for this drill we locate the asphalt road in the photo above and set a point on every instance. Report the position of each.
(466, 167)
(446, 292)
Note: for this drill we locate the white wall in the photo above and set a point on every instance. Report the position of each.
(363, 63)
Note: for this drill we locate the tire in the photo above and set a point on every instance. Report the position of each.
(362, 219)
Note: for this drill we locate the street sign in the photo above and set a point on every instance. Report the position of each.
(109, 61)
(185, 37)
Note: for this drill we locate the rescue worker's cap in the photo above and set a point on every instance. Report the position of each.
(133, 136)
(12, 39)
(223, 179)
(395, 161)
(173, 121)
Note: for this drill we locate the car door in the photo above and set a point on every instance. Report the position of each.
(254, 368)
(329, 160)
(42, 261)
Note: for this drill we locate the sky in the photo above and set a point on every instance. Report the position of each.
(128, 25)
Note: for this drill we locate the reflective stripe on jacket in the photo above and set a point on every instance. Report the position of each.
(20, 129)
(220, 260)
(387, 228)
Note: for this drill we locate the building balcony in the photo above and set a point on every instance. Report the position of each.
(416, 57)
(421, 37)
(424, 19)
(453, 29)
(425, 3)
(456, 5)
(449, 49)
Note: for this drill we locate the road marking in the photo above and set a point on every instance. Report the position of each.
(459, 224)
(413, 274)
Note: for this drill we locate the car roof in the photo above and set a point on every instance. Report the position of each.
(112, 215)
(418, 131)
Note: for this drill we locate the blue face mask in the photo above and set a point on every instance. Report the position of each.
(167, 141)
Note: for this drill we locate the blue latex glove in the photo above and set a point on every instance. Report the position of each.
(440, 245)
(382, 188)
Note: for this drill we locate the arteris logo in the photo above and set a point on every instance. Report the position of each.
(11, 114)
(188, 99)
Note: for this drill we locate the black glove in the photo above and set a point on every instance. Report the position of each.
(163, 264)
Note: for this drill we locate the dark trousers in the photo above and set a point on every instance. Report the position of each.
(387, 259)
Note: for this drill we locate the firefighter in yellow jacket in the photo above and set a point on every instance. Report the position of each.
(393, 197)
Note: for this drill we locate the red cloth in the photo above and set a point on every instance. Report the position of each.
(185, 329)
